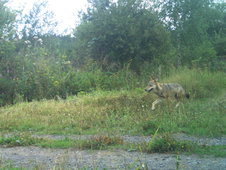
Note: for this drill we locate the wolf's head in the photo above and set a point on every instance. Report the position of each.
(151, 86)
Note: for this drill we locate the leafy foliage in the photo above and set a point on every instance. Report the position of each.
(6, 21)
(38, 21)
(116, 33)
(194, 25)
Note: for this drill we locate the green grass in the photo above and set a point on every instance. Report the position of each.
(199, 83)
(19, 140)
(127, 111)
(115, 113)
(218, 151)
(94, 143)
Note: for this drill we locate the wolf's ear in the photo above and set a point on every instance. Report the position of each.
(155, 80)
(151, 78)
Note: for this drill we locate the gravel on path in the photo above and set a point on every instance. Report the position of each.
(40, 158)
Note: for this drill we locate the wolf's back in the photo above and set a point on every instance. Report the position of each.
(175, 89)
(181, 91)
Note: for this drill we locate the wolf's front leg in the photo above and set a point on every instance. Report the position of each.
(154, 103)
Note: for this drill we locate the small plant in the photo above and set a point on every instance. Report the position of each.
(165, 143)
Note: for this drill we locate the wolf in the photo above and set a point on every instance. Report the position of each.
(166, 90)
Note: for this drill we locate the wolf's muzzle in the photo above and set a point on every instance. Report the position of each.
(148, 89)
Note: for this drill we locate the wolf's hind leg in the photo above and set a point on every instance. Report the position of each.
(154, 103)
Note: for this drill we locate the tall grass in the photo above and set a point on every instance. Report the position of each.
(127, 111)
(200, 83)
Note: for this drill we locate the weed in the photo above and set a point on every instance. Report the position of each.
(165, 143)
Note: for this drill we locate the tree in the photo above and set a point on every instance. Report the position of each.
(38, 21)
(7, 21)
(7, 47)
(115, 33)
(194, 25)
(7, 50)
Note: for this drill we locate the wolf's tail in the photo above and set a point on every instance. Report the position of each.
(187, 95)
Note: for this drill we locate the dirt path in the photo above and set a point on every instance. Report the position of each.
(41, 158)
(33, 157)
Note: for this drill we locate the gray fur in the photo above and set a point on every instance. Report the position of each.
(165, 90)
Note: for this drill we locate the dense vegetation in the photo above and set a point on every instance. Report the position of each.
(117, 45)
